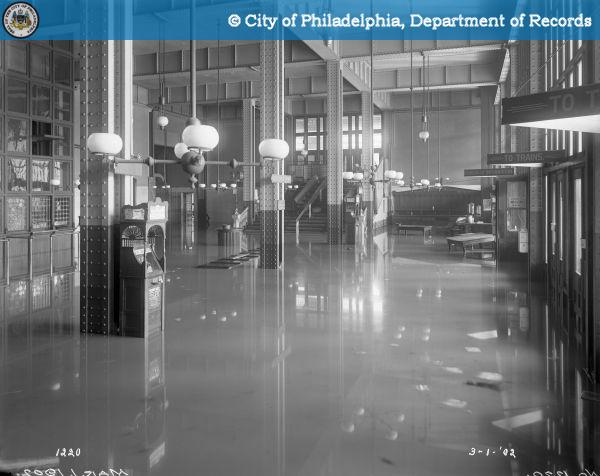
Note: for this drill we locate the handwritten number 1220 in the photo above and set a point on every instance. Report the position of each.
(68, 452)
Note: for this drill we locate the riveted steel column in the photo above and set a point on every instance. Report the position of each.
(124, 114)
(105, 96)
(249, 147)
(98, 211)
(367, 152)
(503, 147)
(536, 143)
(593, 251)
(389, 142)
(514, 84)
(335, 158)
(272, 204)
(487, 117)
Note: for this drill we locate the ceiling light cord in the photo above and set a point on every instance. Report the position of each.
(218, 98)
(412, 125)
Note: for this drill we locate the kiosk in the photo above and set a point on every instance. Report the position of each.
(142, 268)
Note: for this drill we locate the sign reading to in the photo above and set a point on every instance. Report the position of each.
(516, 158)
(558, 104)
(489, 172)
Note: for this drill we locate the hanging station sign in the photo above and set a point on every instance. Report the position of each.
(507, 171)
(527, 158)
(572, 109)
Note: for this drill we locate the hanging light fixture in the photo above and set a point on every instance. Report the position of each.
(196, 138)
(439, 134)
(412, 122)
(180, 149)
(201, 137)
(161, 120)
(276, 149)
(424, 133)
(104, 143)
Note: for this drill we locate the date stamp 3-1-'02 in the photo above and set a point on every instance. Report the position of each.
(500, 451)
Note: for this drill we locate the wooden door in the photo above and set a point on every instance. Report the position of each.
(512, 218)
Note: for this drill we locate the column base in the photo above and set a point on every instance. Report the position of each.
(271, 246)
(334, 224)
(99, 280)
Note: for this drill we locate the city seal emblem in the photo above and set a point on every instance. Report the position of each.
(20, 20)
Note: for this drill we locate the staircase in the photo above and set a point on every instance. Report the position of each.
(312, 223)
(315, 225)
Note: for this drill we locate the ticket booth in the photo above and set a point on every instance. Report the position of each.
(142, 269)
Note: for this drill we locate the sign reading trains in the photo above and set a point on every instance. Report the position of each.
(523, 158)
(489, 172)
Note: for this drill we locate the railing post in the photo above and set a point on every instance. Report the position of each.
(51, 253)
(309, 211)
(30, 256)
(297, 232)
(7, 261)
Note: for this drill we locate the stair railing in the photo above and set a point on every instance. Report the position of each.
(308, 207)
(310, 184)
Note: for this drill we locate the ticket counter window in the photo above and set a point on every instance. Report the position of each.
(577, 229)
(516, 206)
(560, 219)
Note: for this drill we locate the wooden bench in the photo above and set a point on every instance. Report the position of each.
(425, 229)
(468, 241)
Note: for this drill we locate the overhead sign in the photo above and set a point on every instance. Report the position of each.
(489, 172)
(520, 158)
(573, 109)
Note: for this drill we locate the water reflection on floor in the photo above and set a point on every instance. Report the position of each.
(411, 362)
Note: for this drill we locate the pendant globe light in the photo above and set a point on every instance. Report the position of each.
(424, 133)
(196, 138)
(162, 120)
(412, 122)
(438, 183)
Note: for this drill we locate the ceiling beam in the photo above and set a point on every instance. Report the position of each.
(359, 50)
(439, 77)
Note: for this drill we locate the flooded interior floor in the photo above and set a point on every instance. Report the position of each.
(412, 361)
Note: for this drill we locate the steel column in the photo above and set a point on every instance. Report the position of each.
(103, 107)
(335, 158)
(124, 115)
(249, 148)
(366, 158)
(97, 190)
(594, 247)
(272, 204)
(504, 130)
(488, 96)
(514, 84)
(536, 143)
